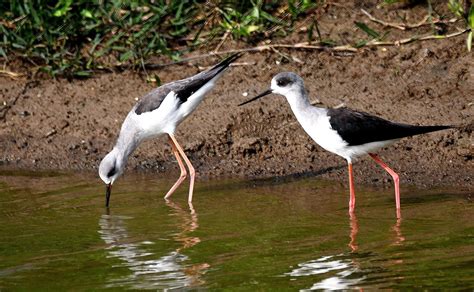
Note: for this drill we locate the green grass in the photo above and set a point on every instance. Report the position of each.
(75, 38)
(463, 10)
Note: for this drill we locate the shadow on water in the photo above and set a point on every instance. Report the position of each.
(169, 271)
(293, 177)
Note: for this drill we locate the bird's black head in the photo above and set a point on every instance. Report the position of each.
(283, 83)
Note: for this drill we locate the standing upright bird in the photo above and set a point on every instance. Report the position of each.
(343, 131)
(158, 113)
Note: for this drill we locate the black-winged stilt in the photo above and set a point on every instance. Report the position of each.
(343, 131)
(159, 113)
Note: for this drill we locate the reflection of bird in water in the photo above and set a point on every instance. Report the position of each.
(354, 224)
(189, 224)
(354, 231)
(168, 271)
(344, 270)
(399, 238)
(344, 274)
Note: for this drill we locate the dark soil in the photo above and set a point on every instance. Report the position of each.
(60, 124)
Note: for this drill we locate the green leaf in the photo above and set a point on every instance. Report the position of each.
(62, 8)
(470, 17)
(18, 46)
(83, 73)
(154, 79)
(456, 7)
(86, 13)
(126, 56)
(330, 42)
(2, 53)
(367, 30)
(255, 13)
(360, 44)
(384, 35)
(270, 18)
(251, 28)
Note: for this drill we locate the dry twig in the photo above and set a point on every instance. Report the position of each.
(415, 38)
(226, 34)
(11, 74)
(405, 26)
(235, 64)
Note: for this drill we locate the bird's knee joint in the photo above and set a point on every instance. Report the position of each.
(192, 172)
(396, 178)
(183, 175)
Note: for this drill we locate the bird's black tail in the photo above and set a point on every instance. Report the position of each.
(226, 62)
(417, 130)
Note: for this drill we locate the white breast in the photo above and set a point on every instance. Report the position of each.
(318, 127)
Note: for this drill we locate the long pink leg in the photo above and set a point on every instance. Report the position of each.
(192, 172)
(183, 174)
(352, 198)
(396, 180)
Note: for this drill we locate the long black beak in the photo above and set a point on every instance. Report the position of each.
(266, 92)
(108, 191)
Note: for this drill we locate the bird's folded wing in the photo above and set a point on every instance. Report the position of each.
(182, 88)
(358, 128)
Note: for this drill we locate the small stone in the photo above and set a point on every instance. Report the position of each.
(50, 133)
(24, 113)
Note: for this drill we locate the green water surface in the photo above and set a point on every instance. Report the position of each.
(239, 235)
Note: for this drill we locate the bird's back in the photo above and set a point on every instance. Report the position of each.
(182, 89)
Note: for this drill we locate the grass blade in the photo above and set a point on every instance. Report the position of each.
(370, 32)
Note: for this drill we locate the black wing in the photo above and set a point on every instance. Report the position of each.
(358, 128)
(153, 99)
(183, 88)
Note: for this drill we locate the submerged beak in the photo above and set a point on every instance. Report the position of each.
(108, 191)
(266, 92)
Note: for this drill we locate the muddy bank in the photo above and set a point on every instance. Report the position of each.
(57, 124)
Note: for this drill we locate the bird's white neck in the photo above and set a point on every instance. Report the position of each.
(300, 104)
(126, 144)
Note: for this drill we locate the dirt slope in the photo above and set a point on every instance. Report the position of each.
(72, 125)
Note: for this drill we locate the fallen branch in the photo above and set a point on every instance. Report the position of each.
(415, 38)
(235, 64)
(405, 26)
(11, 74)
(226, 34)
